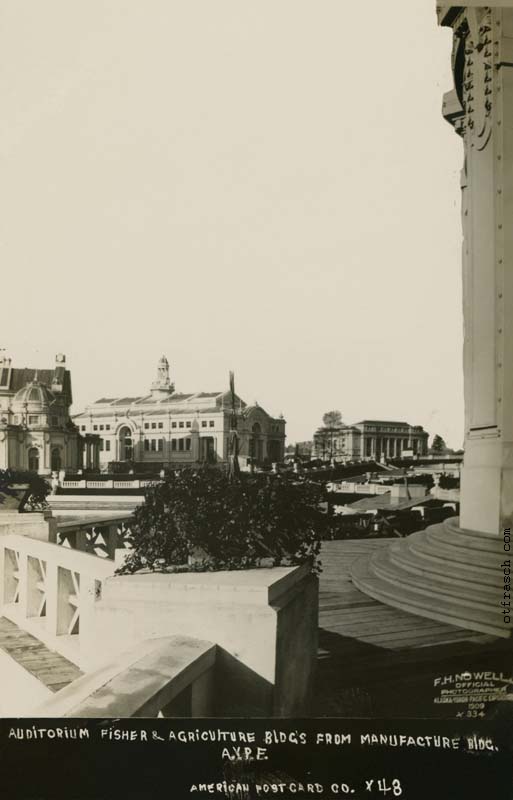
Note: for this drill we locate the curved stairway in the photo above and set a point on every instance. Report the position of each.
(444, 572)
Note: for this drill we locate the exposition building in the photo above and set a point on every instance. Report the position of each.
(36, 430)
(165, 427)
(370, 439)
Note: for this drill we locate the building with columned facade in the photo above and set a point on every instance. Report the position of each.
(163, 427)
(371, 440)
(36, 430)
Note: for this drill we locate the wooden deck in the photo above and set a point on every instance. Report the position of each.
(52, 669)
(376, 660)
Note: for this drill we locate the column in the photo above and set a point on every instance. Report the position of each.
(481, 109)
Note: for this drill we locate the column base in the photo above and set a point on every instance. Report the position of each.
(445, 573)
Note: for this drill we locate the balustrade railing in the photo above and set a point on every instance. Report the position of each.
(50, 590)
(347, 487)
(99, 536)
(173, 677)
(136, 483)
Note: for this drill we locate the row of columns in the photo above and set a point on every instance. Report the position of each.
(389, 446)
(91, 453)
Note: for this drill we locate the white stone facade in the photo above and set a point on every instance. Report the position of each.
(370, 439)
(166, 427)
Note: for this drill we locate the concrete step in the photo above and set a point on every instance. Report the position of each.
(449, 534)
(431, 583)
(459, 555)
(434, 566)
(437, 593)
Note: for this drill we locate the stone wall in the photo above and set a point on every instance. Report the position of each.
(263, 621)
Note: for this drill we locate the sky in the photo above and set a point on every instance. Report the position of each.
(265, 187)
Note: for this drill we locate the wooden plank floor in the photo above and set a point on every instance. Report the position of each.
(52, 669)
(376, 660)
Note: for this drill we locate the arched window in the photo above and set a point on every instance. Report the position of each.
(56, 461)
(33, 459)
(126, 447)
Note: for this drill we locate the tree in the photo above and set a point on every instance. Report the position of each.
(332, 419)
(201, 520)
(325, 436)
(438, 445)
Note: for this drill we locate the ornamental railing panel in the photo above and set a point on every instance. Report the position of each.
(50, 590)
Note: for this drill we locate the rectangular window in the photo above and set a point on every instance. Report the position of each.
(107, 427)
(161, 445)
(107, 444)
(33, 419)
(146, 426)
(173, 444)
(187, 444)
(211, 423)
(153, 426)
(153, 445)
(173, 424)
(203, 423)
(180, 424)
(180, 444)
(161, 425)
(83, 427)
(102, 427)
(187, 424)
(95, 427)
(101, 444)
(146, 444)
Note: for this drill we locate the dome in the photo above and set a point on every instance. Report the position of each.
(34, 394)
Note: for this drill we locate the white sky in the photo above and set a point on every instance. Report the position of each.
(262, 186)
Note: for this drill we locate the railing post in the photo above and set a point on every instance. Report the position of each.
(36, 587)
(110, 535)
(52, 591)
(23, 583)
(68, 601)
(80, 540)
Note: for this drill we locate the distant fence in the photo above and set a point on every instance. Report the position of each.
(136, 483)
(348, 487)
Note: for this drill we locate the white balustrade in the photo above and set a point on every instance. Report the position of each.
(134, 483)
(172, 676)
(100, 536)
(359, 488)
(50, 590)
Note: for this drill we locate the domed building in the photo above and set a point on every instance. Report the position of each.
(36, 430)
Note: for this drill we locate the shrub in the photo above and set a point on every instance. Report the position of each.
(197, 520)
(449, 482)
(38, 487)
